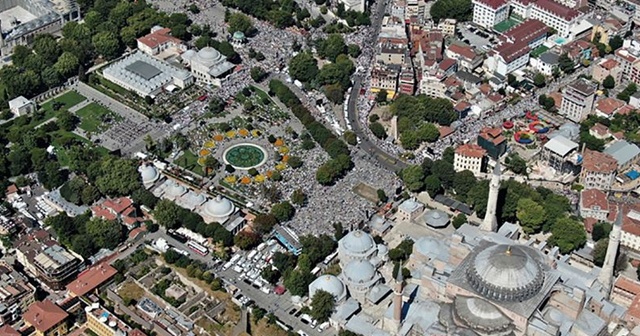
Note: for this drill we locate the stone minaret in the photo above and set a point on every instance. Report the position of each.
(490, 222)
(606, 273)
(397, 300)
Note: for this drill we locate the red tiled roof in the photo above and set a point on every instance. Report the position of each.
(44, 315)
(485, 88)
(557, 9)
(471, 150)
(609, 105)
(465, 51)
(634, 309)
(608, 63)
(512, 51)
(626, 109)
(92, 278)
(118, 205)
(593, 197)
(618, 135)
(495, 4)
(12, 189)
(598, 162)
(527, 31)
(589, 223)
(99, 211)
(625, 55)
(461, 106)
(447, 64)
(6, 330)
(557, 99)
(452, 81)
(137, 332)
(600, 129)
(492, 134)
(159, 37)
(445, 131)
(627, 285)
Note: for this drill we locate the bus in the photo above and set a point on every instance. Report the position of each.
(177, 236)
(201, 250)
(330, 257)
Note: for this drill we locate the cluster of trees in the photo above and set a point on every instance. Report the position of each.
(460, 10)
(239, 22)
(340, 162)
(172, 216)
(546, 102)
(322, 305)
(79, 192)
(297, 276)
(282, 14)
(627, 92)
(614, 44)
(353, 18)
(590, 141)
(416, 115)
(194, 268)
(437, 176)
(516, 164)
(86, 235)
(402, 251)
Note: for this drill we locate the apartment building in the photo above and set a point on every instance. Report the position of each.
(507, 58)
(607, 67)
(469, 157)
(467, 58)
(594, 204)
(385, 77)
(488, 13)
(553, 14)
(577, 100)
(47, 319)
(598, 170)
(16, 294)
(533, 31)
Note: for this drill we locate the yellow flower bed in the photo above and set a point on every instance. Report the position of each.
(285, 158)
(209, 144)
(243, 132)
(245, 180)
(218, 137)
(258, 178)
(255, 133)
(279, 142)
(231, 134)
(281, 166)
(204, 152)
(201, 161)
(283, 150)
(269, 173)
(231, 179)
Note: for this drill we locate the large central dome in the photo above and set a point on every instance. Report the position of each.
(505, 273)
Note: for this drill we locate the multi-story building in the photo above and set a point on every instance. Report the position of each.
(488, 13)
(385, 77)
(46, 318)
(433, 87)
(625, 153)
(407, 78)
(598, 170)
(103, 323)
(507, 58)
(16, 294)
(391, 54)
(607, 67)
(448, 27)
(469, 157)
(160, 40)
(577, 100)
(626, 58)
(533, 31)
(415, 8)
(551, 13)
(635, 72)
(45, 259)
(594, 204)
(560, 154)
(492, 140)
(466, 56)
(91, 279)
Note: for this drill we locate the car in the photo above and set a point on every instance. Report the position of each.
(298, 314)
(302, 333)
(292, 311)
(313, 323)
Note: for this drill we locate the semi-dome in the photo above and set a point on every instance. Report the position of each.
(481, 315)
(328, 283)
(149, 174)
(219, 207)
(359, 271)
(505, 273)
(358, 242)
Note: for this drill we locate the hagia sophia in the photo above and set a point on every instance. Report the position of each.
(480, 280)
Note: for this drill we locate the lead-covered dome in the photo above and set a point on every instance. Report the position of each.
(358, 242)
(328, 283)
(505, 273)
(219, 207)
(359, 271)
(149, 174)
(209, 56)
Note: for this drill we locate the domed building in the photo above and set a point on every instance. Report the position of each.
(149, 175)
(506, 283)
(207, 65)
(360, 276)
(238, 39)
(329, 283)
(218, 209)
(356, 245)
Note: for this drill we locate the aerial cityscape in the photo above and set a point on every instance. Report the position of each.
(320, 167)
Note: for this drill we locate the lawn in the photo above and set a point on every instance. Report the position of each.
(189, 161)
(67, 100)
(93, 118)
(506, 25)
(538, 51)
(131, 290)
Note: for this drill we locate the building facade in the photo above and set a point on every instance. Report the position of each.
(488, 13)
(598, 170)
(577, 100)
(469, 157)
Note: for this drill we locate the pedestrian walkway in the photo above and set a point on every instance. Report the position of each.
(114, 105)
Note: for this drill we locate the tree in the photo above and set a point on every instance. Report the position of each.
(413, 178)
(609, 82)
(46, 46)
(332, 47)
(463, 181)
(246, 240)
(167, 214)
(381, 97)
(298, 197)
(382, 196)
(601, 230)
(67, 121)
(106, 44)
(539, 80)
(566, 64)
(354, 50)
(67, 64)
(454, 9)
(531, 215)
(627, 92)
(428, 132)
(211, 162)
(432, 185)
(615, 43)
(50, 77)
(323, 304)
(264, 223)
(257, 74)
(568, 235)
(303, 67)
(283, 211)
(516, 164)
(350, 137)
(600, 252)
(459, 220)
(378, 130)
(105, 233)
(272, 275)
(295, 162)
(89, 194)
(144, 197)
(118, 177)
(334, 92)
(297, 282)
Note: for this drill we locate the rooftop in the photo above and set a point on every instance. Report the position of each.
(528, 31)
(512, 51)
(91, 278)
(598, 162)
(591, 198)
(557, 9)
(158, 37)
(622, 151)
(608, 64)
(44, 315)
(609, 105)
(561, 145)
(462, 50)
(471, 150)
(495, 4)
(583, 86)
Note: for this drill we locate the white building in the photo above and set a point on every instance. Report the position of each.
(488, 13)
(160, 40)
(551, 13)
(545, 63)
(207, 65)
(507, 58)
(354, 5)
(409, 210)
(21, 106)
(145, 75)
(594, 204)
(469, 157)
(577, 100)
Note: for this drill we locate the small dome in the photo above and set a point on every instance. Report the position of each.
(435, 218)
(358, 242)
(219, 207)
(506, 273)
(238, 36)
(359, 271)
(176, 190)
(328, 283)
(149, 174)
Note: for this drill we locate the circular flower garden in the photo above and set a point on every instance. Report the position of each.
(245, 156)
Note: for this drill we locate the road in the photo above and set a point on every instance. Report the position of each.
(385, 159)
